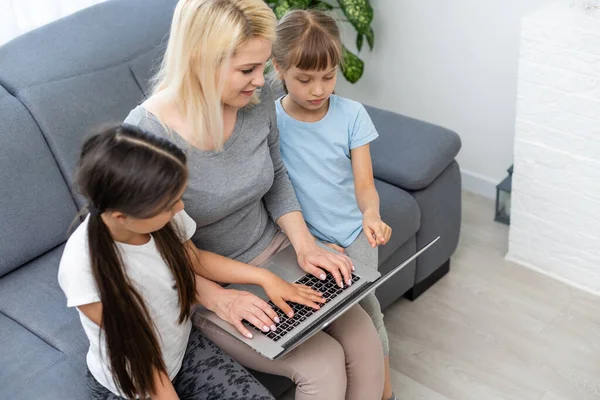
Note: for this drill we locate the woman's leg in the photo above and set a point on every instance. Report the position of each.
(209, 374)
(362, 350)
(362, 251)
(317, 367)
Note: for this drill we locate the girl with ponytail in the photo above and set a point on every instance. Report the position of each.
(131, 271)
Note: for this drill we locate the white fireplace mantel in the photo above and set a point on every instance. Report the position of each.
(555, 215)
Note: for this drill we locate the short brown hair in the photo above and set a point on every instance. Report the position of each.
(307, 39)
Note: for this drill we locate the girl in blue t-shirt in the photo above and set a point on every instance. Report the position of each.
(325, 146)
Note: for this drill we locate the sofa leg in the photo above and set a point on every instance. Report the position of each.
(425, 284)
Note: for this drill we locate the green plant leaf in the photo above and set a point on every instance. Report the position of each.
(299, 4)
(359, 14)
(282, 7)
(352, 67)
(371, 38)
(320, 5)
(269, 67)
(359, 41)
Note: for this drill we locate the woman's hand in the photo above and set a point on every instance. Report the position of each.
(280, 292)
(314, 259)
(234, 306)
(376, 231)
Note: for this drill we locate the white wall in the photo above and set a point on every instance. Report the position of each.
(20, 16)
(555, 218)
(453, 63)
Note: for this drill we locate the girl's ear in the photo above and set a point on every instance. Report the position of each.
(278, 71)
(118, 217)
(275, 65)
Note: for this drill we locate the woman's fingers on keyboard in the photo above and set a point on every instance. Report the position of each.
(242, 329)
(345, 266)
(316, 272)
(266, 310)
(339, 266)
(334, 270)
(258, 322)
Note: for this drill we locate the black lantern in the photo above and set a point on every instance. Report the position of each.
(503, 199)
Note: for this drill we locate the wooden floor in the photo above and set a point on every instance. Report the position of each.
(491, 329)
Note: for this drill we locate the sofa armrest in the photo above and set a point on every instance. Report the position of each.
(410, 153)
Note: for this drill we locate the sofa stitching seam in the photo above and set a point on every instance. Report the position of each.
(77, 74)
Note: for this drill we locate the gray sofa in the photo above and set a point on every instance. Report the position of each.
(60, 81)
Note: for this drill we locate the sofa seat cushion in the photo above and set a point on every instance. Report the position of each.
(401, 212)
(31, 297)
(33, 369)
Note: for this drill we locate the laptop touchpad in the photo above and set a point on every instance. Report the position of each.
(291, 274)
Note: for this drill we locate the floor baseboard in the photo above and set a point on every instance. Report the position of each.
(481, 185)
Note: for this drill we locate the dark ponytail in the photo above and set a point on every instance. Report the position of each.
(124, 169)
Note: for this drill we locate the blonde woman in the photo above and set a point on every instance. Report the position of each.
(210, 98)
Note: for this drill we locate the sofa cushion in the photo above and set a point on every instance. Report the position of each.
(410, 153)
(85, 42)
(145, 66)
(31, 297)
(32, 369)
(70, 109)
(37, 208)
(86, 78)
(400, 211)
(66, 380)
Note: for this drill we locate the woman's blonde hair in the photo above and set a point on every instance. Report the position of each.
(204, 35)
(307, 39)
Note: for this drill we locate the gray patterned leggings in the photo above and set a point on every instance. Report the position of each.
(206, 374)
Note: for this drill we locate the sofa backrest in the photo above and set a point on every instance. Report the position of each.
(36, 207)
(85, 70)
(57, 84)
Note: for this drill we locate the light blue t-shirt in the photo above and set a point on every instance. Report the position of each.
(317, 157)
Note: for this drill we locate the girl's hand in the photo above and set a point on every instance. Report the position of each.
(333, 246)
(314, 259)
(377, 232)
(280, 292)
(234, 306)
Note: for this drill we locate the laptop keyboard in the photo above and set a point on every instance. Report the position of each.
(328, 288)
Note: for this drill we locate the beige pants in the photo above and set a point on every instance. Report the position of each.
(344, 361)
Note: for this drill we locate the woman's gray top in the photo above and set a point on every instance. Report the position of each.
(234, 195)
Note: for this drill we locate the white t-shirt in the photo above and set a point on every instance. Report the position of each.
(154, 281)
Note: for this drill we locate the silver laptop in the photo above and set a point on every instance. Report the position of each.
(306, 321)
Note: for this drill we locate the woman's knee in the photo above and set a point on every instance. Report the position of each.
(363, 352)
(359, 338)
(319, 367)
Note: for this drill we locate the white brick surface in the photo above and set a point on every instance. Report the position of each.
(555, 215)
